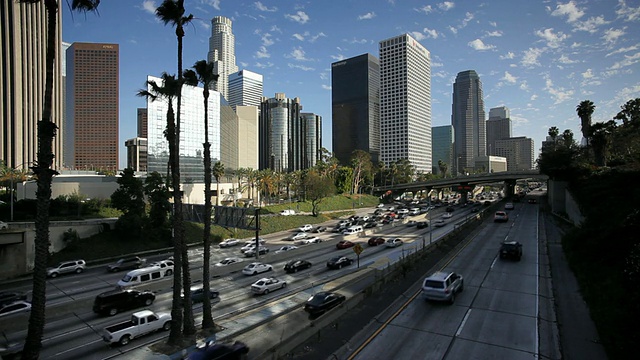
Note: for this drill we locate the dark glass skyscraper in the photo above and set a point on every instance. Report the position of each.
(468, 121)
(355, 107)
(280, 135)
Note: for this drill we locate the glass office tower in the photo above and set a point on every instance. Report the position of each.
(468, 120)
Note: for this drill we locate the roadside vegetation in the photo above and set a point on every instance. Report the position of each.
(604, 251)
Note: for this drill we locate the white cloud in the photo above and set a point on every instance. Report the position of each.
(590, 25)
(243, 64)
(326, 87)
(357, 41)
(149, 6)
(509, 78)
(263, 66)
(534, 97)
(496, 33)
(623, 50)
(611, 35)
(299, 17)
(425, 9)
(266, 39)
(477, 44)
(564, 59)
(213, 3)
(570, 10)
(263, 53)
(417, 35)
(576, 45)
(453, 29)
(275, 28)
(554, 40)
(300, 37)
(627, 61)
(509, 55)
(436, 64)
(524, 85)
(298, 54)
(301, 67)
(627, 13)
(467, 17)
(587, 74)
(317, 36)
(447, 5)
(367, 16)
(493, 23)
(338, 57)
(262, 7)
(530, 57)
(431, 33)
(627, 93)
(559, 94)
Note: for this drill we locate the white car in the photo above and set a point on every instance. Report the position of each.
(308, 240)
(252, 252)
(256, 268)
(298, 236)
(228, 243)
(287, 212)
(15, 308)
(439, 223)
(285, 249)
(403, 211)
(228, 261)
(306, 227)
(167, 265)
(393, 242)
(509, 206)
(447, 215)
(264, 285)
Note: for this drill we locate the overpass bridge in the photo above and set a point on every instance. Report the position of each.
(465, 183)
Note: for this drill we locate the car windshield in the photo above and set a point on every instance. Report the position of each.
(317, 299)
(335, 259)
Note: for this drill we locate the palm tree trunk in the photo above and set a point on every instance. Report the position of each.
(44, 173)
(207, 317)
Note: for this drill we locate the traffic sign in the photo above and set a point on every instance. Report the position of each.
(357, 249)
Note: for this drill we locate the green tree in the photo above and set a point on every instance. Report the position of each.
(203, 73)
(318, 188)
(585, 109)
(362, 167)
(158, 195)
(218, 172)
(442, 166)
(405, 171)
(601, 134)
(42, 169)
(343, 180)
(129, 198)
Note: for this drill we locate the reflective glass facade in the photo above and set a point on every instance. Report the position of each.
(442, 147)
(312, 125)
(279, 134)
(468, 120)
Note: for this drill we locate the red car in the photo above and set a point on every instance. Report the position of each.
(375, 241)
(344, 244)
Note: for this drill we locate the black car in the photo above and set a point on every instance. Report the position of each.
(197, 295)
(532, 201)
(220, 351)
(449, 209)
(8, 297)
(323, 301)
(115, 301)
(422, 224)
(126, 264)
(338, 262)
(295, 265)
(319, 229)
(511, 250)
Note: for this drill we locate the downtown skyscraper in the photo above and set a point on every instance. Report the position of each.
(245, 89)
(222, 53)
(468, 121)
(498, 127)
(405, 102)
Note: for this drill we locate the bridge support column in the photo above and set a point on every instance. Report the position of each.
(509, 188)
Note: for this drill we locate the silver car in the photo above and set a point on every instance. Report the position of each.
(67, 267)
(442, 286)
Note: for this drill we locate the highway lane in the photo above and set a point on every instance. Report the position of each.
(494, 317)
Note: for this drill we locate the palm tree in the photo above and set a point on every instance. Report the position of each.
(252, 181)
(44, 173)
(203, 73)
(585, 109)
(168, 91)
(601, 134)
(217, 172)
(442, 166)
(172, 12)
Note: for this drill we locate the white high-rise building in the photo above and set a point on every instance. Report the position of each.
(245, 89)
(405, 102)
(222, 53)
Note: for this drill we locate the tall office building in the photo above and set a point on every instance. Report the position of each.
(247, 136)
(92, 98)
(222, 129)
(312, 134)
(23, 38)
(442, 137)
(280, 134)
(355, 107)
(137, 154)
(245, 89)
(468, 120)
(519, 152)
(142, 122)
(405, 102)
(222, 53)
(498, 127)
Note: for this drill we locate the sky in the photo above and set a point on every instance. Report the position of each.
(538, 58)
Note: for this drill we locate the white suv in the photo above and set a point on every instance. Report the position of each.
(66, 267)
(442, 286)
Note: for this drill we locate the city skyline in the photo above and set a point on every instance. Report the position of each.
(540, 64)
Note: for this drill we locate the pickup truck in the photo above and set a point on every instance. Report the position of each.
(141, 323)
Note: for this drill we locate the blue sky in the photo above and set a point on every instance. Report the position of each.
(539, 58)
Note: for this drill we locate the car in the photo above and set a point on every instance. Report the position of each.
(308, 240)
(305, 228)
(129, 263)
(15, 307)
(3, 225)
(422, 224)
(440, 223)
(298, 236)
(228, 261)
(442, 286)
(380, 206)
(338, 262)
(164, 264)
(500, 216)
(296, 265)
(112, 302)
(287, 212)
(393, 242)
(447, 215)
(411, 223)
(256, 268)
(251, 244)
(508, 206)
(265, 285)
(531, 201)
(252, 252)
(375, 241)
(198, 295)
(319, 229)
(219, 351)
(285, 249)
(323, 301)
(67, 267)
(228, 243)
(403, 211)
(414, 211)
(511, 250)
(8, 297)
(344, 244)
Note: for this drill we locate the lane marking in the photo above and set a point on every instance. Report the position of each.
(464, 321)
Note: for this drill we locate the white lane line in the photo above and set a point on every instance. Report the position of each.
(494, 262)
(466, 316)
(77, 347)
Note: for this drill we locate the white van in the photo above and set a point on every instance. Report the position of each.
(351, 230)
(141, 276)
